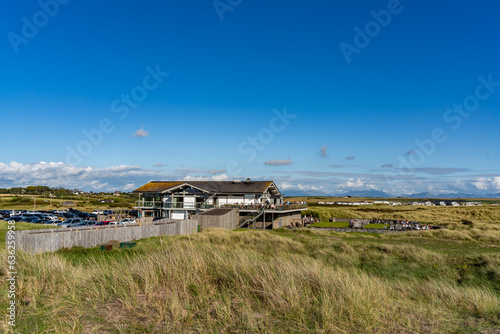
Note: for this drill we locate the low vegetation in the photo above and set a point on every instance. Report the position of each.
(283, 281)
(257, 281)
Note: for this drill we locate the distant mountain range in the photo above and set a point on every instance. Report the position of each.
(381, 194)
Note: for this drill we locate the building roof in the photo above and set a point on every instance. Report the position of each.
(157, 186)
(215, 187)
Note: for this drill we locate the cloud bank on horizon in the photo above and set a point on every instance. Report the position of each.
(128, 178)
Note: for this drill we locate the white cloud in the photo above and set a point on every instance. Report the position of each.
(487, 184)
(141, 133)
(59, 174)
(216, 171)
(126, 178)
(357, 184)
(278, 162)
(129, 187)
(496, 183)
(302, 187)
(221, 177)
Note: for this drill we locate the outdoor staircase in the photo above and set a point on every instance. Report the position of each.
(251, 219)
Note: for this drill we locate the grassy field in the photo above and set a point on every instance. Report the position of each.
(452, 217)
(83, 203)
(19, 227)
(283, 281)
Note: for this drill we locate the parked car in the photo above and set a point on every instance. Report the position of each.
(83, 223)
(128, 221)
(54, 222)
(82, 214)
(102, 223)
(39, 221)
(70, 222)
(115, 223)
(98, 212)
(29, 219)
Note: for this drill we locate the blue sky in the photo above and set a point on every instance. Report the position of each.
(362, 83)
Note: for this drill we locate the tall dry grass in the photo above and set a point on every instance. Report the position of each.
(254, 281)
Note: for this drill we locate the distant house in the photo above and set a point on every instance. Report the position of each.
(117, 193)
(105, 200)
(473, 203)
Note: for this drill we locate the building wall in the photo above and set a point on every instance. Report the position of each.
(228, 221)
(222, 200)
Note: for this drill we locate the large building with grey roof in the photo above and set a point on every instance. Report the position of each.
(257, 200)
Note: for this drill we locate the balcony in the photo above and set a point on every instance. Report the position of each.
(201, 206)
(267, 207)
(189, 206)
(149, 205)
(161, 205)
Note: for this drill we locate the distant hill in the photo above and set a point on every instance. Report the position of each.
(367, 193)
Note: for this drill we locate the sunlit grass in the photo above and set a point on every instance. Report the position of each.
(284, 281)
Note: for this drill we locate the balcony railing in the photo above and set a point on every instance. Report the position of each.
(283, 207)
(149, 204)
(202, 206)
(191, 206)
(161, 205)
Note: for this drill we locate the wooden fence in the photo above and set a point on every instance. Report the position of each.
(37, 241)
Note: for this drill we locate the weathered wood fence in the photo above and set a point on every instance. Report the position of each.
(37, 241)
